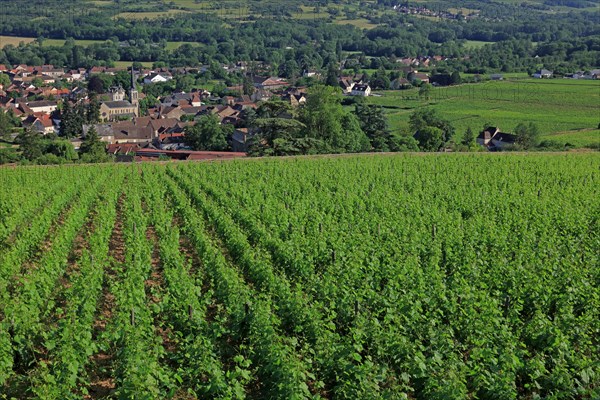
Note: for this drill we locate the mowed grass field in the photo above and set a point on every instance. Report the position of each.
(564, 110)
(16, 40)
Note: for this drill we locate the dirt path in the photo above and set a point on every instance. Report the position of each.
(102, 382)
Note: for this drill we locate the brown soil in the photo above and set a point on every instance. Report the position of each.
(102, 383)
(155, 281)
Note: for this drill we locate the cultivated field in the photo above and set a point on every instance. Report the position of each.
(359, 277)
(560, 107)
(16, 40)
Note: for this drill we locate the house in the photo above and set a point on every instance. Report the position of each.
(347, 85)
(122, 148)
(163, 125)
(295, 100)
(53, 72)
(44, 106)
(40, 122)
(311, 74)
(361, 90)
(116, 93)
(270, 83)
(261, 95)
(171, 112)
(157, 78)
(52, 91)
(240, 140)
(225, 112)
(542, 74)
(189, 99)
(400, 83)
(493, 139)
(417, 76)
(122, 132)
(497, 77)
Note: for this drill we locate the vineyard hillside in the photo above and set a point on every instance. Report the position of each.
(447, 276)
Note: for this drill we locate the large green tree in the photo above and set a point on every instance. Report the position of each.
(31, 144)
(92, 149)
(528, 136)
(429, 117)
(4, 79)
(430, 138)
(326, 120)
(208, 134)
(374, 123)
(72, 120)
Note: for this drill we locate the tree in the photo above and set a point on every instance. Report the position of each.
(326, 120)
(380, 79)
(93, 110)
(71, 120)
(147, 102)
(8, 121)
(455, 78)
(31, 144)
(429, 117)
(374, 124)
(274, 120)
(527, 135)
(400, 142)
(430, 138)
(468, 138)
(63, 149)
(96, 84)
(425, 91)
(248, 86)
(332, 75)
(37, 82)
(4, 80)
(92, 148)
(208, 134)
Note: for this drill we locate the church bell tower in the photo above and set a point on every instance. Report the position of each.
(133, 93)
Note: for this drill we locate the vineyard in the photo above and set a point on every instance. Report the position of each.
(388, 277)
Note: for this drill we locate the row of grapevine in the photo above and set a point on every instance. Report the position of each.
(301, 213)
(196, 356)
(278, 368)
(138, 371)
(22, 205)
(335, 358)
(422, 277)
(70, 343)
(13, 311)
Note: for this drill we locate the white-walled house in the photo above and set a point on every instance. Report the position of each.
(542, 74)
(156, 78)
(361, 90)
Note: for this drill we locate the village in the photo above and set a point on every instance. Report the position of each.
(134, 128)
(36, 95)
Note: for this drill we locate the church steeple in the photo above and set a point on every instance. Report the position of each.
(133, 93)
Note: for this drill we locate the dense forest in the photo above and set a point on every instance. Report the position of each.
(520, 36)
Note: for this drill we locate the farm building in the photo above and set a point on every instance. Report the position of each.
(493, 139)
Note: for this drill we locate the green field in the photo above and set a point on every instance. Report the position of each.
(149, 15)
(127, 64)
(361, 23)
(557, 106)
(475, 44)
(448, 276)
(15, 40)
